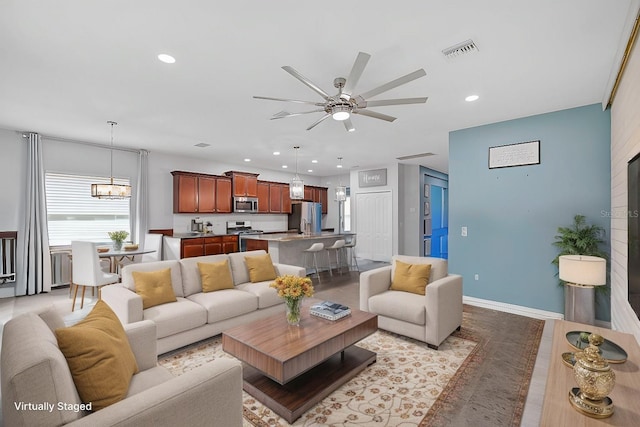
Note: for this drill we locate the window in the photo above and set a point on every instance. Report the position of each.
(72, 214)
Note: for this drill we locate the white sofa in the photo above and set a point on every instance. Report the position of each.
(34, 371)
(429, 318)
(197, 315)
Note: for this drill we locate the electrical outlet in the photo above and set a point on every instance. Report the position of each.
(476, 277)
(463, 232)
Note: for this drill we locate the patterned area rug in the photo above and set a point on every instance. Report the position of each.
(480, 373)
(397, 390)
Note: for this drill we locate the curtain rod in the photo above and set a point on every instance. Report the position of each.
(92, 144)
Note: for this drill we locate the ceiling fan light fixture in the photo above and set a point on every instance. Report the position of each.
(340, 112)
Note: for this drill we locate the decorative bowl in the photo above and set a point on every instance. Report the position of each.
(103, 250)
(131, 247)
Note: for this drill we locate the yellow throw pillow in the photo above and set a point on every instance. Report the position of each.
(99, 357)
(260, 268)
(411, 277)
(215, 276)
(154, 287)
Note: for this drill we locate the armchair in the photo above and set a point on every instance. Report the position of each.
(430, 318)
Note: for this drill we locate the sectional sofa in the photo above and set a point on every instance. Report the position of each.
(197, 315)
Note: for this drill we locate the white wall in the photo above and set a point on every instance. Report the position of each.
(331, 219)
(625, 143)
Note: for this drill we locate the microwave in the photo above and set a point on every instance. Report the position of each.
(245, 204)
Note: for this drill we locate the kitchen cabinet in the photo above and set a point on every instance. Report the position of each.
(213, 245)
(286, 199)
(318, 195)
(191, 247)
(200, 193)
(275, 198)
(223, 195)
(244, 184)
(263, 196)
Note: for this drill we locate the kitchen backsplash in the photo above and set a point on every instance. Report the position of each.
(264, 222)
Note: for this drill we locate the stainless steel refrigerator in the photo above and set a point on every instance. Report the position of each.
(306, 217)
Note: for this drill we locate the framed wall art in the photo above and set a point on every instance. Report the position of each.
(520, 154)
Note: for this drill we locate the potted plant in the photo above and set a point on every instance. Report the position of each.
(118, 237)
(579, 239)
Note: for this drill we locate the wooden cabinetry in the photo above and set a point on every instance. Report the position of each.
(318, 195)
(213, 245)
(244, 184)
(263, 196)
(200, 193)
(223, 195)
(286, 199)
(275, 198)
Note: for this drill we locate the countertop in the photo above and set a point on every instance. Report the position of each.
(289, 237)
(194, 235)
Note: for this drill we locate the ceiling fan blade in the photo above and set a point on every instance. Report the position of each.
(354, 75)
(317, 122)
(289, 100)
(398, 101)
(306, 81)
(374, 114)
(348, 125)
(284, 114)
(394, 83)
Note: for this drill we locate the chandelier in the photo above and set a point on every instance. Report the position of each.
(296, 188)
(111, 191)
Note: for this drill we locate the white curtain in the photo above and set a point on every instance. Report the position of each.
(140, 216)
(34, 262)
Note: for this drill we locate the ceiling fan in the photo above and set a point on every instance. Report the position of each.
(345, 102)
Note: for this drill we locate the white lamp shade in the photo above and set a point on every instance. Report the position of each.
(583, 270)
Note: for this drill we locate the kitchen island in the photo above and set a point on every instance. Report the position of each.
(287, 248)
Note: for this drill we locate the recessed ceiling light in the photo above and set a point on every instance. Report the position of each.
(314, 161)
(247, 160)
(309, 170)
(276, 153)
(284, 166)
(471, 98)
(339, 166)
(167, 59)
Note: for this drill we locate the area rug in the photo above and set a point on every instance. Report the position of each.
(397, 390)
(480, 375)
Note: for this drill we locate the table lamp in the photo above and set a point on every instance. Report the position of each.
(581, 274)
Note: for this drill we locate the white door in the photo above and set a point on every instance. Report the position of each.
(374, 226)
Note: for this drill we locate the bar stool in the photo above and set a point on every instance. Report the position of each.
(338, 247)
(350, 247)
(313, 250)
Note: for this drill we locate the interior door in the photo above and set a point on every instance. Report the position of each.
(374, 226)
(436, 222)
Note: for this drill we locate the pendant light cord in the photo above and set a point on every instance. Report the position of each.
(112, 123)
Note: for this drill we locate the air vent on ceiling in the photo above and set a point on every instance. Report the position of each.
(202, 145)
(467, 46)
(415, 156)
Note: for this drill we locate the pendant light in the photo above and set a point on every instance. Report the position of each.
(296, 188)
(111, 191)
(341, 190)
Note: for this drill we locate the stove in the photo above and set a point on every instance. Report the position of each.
(241, 227)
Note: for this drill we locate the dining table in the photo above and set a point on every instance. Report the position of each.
(117, 256)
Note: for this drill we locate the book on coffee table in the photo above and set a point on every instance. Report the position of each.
(330, 310)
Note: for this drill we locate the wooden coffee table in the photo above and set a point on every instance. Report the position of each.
(291, 368)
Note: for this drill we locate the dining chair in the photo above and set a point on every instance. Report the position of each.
(87, 271)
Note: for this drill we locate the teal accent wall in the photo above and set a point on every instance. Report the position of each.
(512, 214)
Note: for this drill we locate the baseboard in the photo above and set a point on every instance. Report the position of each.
(8, 290)
(522, 311)
(511, 308)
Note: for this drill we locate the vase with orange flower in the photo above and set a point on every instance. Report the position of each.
(293, 289)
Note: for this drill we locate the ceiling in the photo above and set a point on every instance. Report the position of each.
(70, 66)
